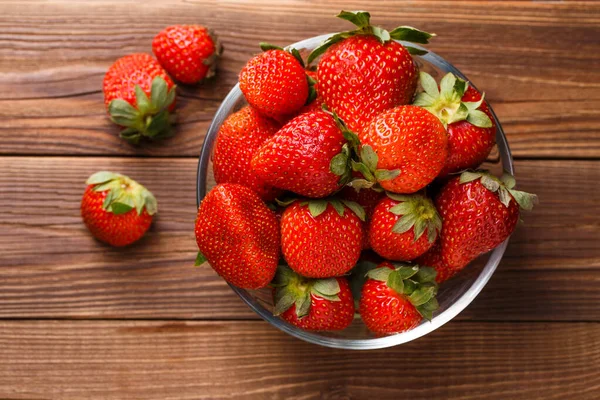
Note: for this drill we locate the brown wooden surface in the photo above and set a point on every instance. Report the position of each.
(175, 360)
(81, 320)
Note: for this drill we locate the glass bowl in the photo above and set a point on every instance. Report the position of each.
(454, 295)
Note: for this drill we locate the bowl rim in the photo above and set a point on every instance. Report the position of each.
(358, 344)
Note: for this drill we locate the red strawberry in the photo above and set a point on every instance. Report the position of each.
(313, 304)
(364, 72)
(403, 149)
(188, 52)
(240, 136)
(470, 123)
(479, 212)
(435, 258)
(396, 297)
(238, 235)
(367, 198)
(308, 156)
(275, 82)
(322, 238)
(139, 96)
(117, 209)
(396, 231)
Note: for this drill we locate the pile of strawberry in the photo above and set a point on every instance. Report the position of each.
(326, 163)
(140, 97)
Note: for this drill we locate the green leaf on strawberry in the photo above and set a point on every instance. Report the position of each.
(367, 166)
(123, 193)
(386, 174)
(200, 259)
(446, 102)
(149, 117)
(416, 283)
(410, 34)
(362, 20)
(293, 289)
(312, 304)
(318, 207)
(503, 186)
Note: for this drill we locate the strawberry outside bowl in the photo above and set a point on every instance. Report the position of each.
(453, 296)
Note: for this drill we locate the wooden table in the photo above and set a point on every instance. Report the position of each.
(82, 320)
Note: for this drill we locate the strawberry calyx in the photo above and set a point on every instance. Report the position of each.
(367, 166)
(416, 283)
(211, 61)
(362, 20)
(346, 161)
(294, 289)
(503, 186)
(123, 193)
(312, 93)
(200, 259)
(341, 163)
(418, 213)
(446, 102)
(150, 117)
(317, 207)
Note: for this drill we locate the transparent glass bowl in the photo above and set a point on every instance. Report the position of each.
(454, 295)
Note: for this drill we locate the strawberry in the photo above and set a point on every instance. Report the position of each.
(238, 235)
(275, 82)
(139, 96)
(479, 212)
(308, 156)
(396, 230)
(467, 118)
(313, 304)
(364, 72)
(403, 149)
(396, 297)
(188, 52)
(240, 136)
(367, 198)
(117, 209)
(322, 238)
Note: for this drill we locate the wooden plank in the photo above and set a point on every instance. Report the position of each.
(252, 360)
(54, 54)
(51, 267)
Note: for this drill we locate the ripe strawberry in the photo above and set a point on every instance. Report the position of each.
(396, 231)
(479, 212)
(313, 304)
(117, 209)
(308, 156)
(238, 235)
(470, 123)
(188, 52)
(322, 238)
(403, 149)
(364, 72)
(275, 82)
(240, 136)
(396, 297)
(139, 96)
(366, 198)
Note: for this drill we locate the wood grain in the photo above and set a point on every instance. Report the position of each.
(52, 267)
(536, 61)
(252, 360)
